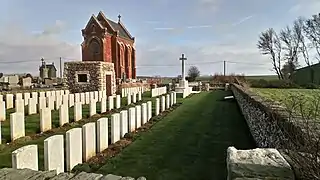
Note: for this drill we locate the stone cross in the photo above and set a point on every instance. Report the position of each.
(119, 17)
(183, 59)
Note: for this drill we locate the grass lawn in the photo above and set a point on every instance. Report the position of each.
(309, 99)
(188, 143)
(32, 124)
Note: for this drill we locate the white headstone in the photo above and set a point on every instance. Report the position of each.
(2, 111)
(144, 117)
(123, 122)
(9, 101)
(118, 101)
(63, 114)
(73, 148)
(54, 153)
(168, 101)
(149, 110)
(34, 95)
(115, 127)
(128, 100)
(77, 111)
(77, 97)
(50, 102)
(45, 119)
(32, 106)
(96, 95)
(138, 116)
(139, 96)
(163, 103)
(19, 96)
(134, 97)
(26, 98)
(157, 107)
(48, 93)
(82, 98)
(58, 102)
(110, 103)
(100, 95)
(66, 92)
(42, 103)
(72, 100)
(92, 107)
(87, 97)
(91, 95)
(25, 157)
(65, 99)
(17, 127)
(89, 140)
(19, 105)
(103, 105)
(42, 94)
(102, 134)
(132, 119)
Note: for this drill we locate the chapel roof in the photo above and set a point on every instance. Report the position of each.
(117, 26)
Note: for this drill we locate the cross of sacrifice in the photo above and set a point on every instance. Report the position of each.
(183, 59)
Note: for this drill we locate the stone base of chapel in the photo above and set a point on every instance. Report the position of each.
(85, 76)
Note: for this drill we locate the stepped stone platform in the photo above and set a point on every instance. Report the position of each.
(24, 174)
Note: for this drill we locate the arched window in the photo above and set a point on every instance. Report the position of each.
(95, 49)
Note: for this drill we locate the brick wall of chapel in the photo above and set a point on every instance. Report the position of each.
(121, 64)
(109, 52)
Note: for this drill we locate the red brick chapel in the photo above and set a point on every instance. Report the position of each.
(109, 41)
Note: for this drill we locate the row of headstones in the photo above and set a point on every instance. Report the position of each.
(9, 98)
(158, 91)
(82, 143)
(128, 91)
(17, 119)
(53, 101)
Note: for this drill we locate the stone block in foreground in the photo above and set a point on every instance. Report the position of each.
(259, 163)
(28, 174)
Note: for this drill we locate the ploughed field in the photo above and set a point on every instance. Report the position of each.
(189, 143)
(302, 101)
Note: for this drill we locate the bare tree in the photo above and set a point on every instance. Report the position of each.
(291, 40)
(312, 30)
(304, 45)
(270, 44)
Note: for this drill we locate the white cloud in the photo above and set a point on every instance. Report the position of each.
(31, 47)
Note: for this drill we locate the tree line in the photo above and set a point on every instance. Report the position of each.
(301, 40)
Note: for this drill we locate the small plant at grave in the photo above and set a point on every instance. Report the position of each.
(303, 145)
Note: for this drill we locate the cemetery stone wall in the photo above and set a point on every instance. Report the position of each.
(269, 122)
(96, 72)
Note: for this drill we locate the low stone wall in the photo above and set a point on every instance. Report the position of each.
(272, 126)
(269, 122)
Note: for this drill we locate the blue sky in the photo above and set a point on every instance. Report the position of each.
(207, 31)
